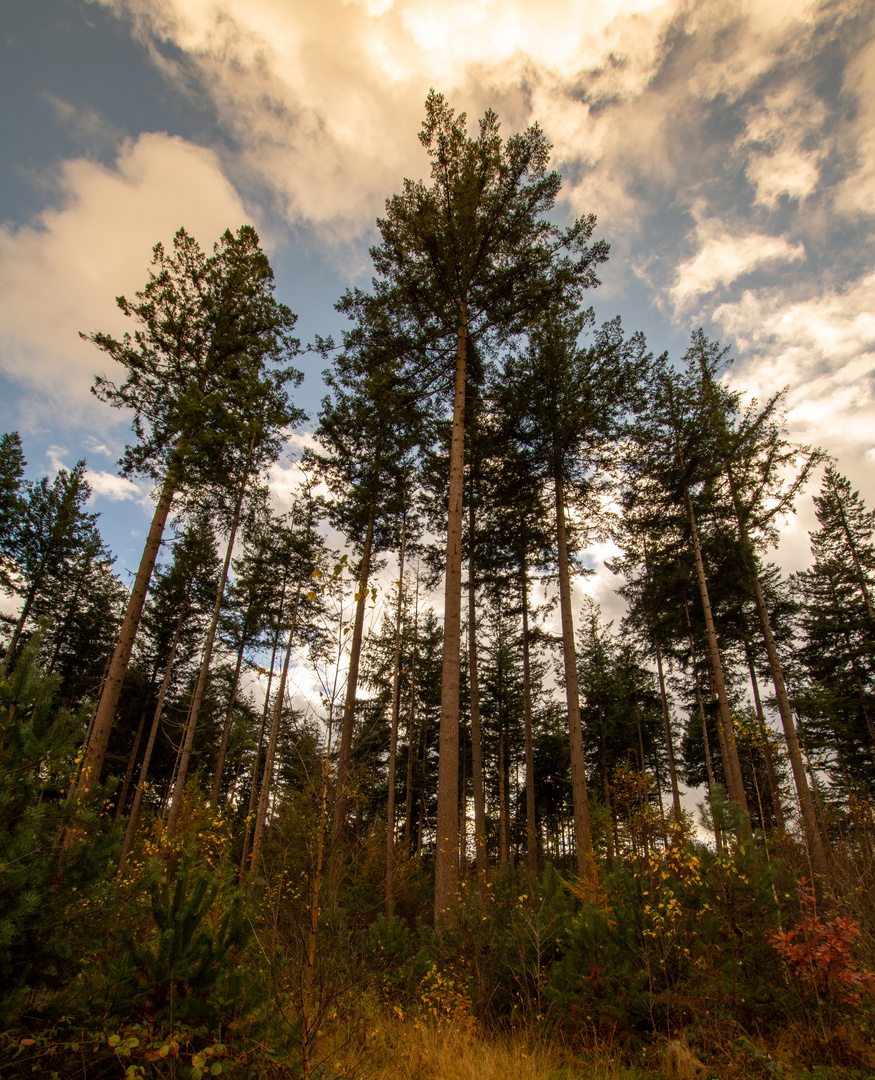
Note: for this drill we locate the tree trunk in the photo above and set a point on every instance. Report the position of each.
(95, 752)
(132, 757)
(226, 729)
(254, 787)
(188, 742)
(134, 817)
(709, 765)
(812, 834)
(531, 822)
(411, 715)
(476, 740)
(447, 838)
(586, 868)
(264, 795)
(669, 740)
(503, 801)
(774, 789)
(393, 734)
(733, 768)
(348, 723)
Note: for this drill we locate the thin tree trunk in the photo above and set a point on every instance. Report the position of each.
(226, 729)
(482, 854)
(611, 835)
(254, 786)
(586, 868)
(134, 816)
(188, 741)
(669, 741)
(92, 762)
(531, 822)
(733, 768)
(709, 764)
(411, 715)
(71, 611)
(774, 789)
(393, 734)
(447, 837)
(348, 723)
(809, 821)
(264, 795)
(503, 837)
(132, 757)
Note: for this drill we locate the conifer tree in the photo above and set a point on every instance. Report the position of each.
(54, 530)
(196, 375)
(471, 256)
(571, 402)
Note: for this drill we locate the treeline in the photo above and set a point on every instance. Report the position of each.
(272, 767)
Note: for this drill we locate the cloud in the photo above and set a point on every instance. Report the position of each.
(857, 191)
(59, 275)
(823, 349)
(723, 259)
(112, 487)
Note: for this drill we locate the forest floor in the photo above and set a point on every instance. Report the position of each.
(414, 1050)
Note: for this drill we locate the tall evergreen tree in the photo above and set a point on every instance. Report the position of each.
(196, 376)
(473, 255)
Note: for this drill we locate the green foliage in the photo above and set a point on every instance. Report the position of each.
(180, 968)
(45, 887)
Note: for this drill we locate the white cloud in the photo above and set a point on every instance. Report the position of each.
(113, 487)
(59, 275)
(857, 192)
(723, 259)
(823, 350)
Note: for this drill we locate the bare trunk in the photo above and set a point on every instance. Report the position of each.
(411, 715)
(809, 822)
(226, 729)
(256, 765)
(612, 838)
(733, 768)
(503, 835)
(188, 740)
(669, 740)
(531, 822)
(393, 734)
(132, 757)
(348, 723)
(92, 762)
(476, 742)
(586, 867)
(709, 765)
(774, 789)
(134, 817)
(264, 796)
(447, 838)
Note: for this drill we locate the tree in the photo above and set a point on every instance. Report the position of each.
(470, 257)
(569, 406)
(54, 530)
(12, 465)
(196, 376)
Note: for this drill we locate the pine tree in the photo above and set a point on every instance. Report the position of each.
(54, 531)
(472, 256)
(570, 403)
(198, 383)
(12, 504)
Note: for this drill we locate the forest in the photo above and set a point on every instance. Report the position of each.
(360, 789)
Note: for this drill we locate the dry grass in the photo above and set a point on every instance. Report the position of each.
(405, 1050)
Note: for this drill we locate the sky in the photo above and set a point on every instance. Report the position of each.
(726, 148)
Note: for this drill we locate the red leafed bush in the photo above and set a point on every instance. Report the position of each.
(819, 952)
